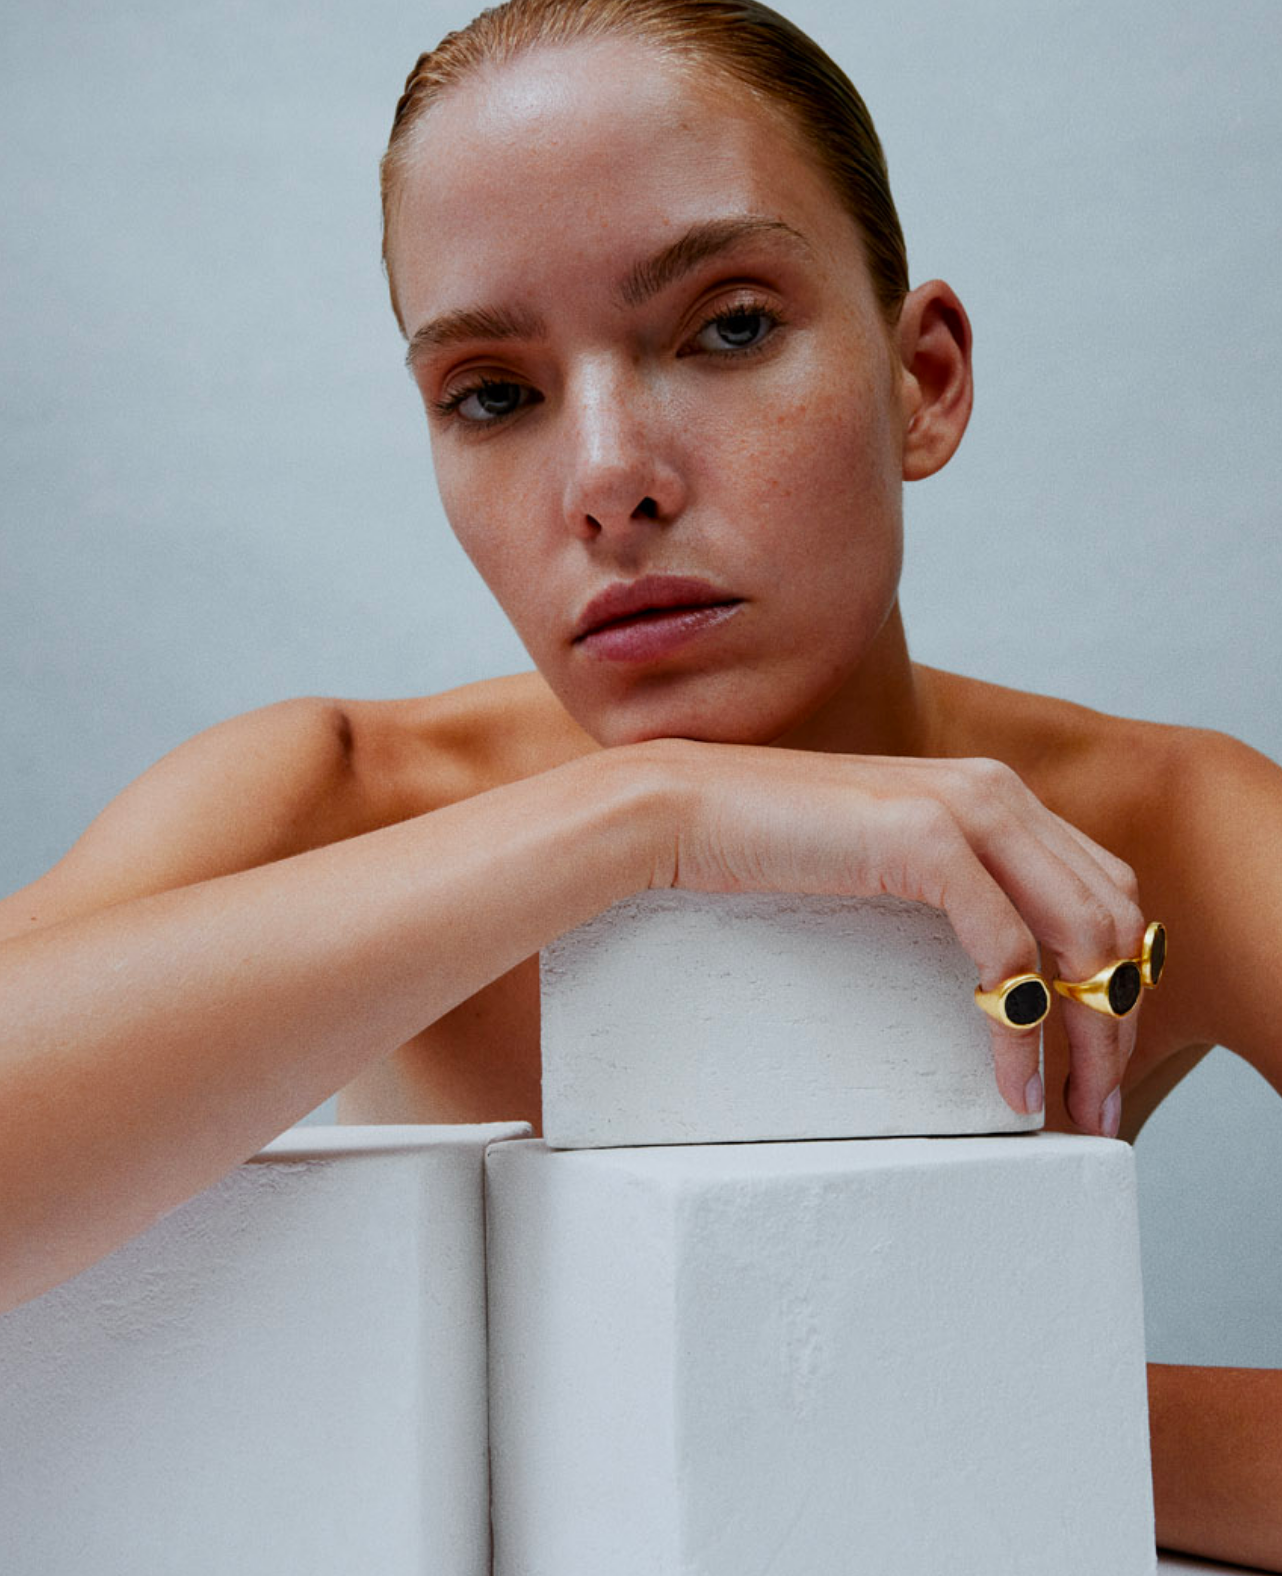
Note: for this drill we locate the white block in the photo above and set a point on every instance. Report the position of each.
(685, 1017)
(285, 1376)
(907, 1357)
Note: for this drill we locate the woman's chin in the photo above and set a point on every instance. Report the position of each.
(710, 724)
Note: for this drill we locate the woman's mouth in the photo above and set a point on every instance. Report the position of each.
(639, 620)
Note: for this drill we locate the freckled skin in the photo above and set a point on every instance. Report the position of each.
(778, 478)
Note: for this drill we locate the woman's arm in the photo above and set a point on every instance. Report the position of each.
(149, 1047)
(1217, 1462)
(153, 1043)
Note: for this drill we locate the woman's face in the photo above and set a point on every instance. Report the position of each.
(648, 345)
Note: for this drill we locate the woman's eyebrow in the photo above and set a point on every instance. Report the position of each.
(699, 243)
(469, 323)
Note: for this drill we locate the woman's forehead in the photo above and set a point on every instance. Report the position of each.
(581, 161)
(548, 90)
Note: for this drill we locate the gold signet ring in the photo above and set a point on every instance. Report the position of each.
(1114, 991)
(1021, 1002)
(1152, 958)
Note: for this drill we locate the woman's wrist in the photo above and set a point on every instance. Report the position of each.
(645, 795)
(655, 790)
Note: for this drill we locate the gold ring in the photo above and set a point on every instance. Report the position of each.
(1152, 958)
(1114, 991)
(1020, 1002)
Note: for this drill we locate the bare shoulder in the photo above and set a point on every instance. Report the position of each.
(286, 778)
(414, 755)
(1224, 847)
(1111, 776)
(239, 794)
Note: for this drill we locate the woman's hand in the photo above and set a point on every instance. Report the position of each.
(965, 836)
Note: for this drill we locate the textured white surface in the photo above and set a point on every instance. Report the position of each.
(686, 1017)
(922, 1357)
(283, 1377)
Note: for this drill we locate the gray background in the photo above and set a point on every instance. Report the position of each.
(216, 483)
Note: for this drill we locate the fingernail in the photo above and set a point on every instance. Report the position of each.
(1110, 1116)
(1033, 1094)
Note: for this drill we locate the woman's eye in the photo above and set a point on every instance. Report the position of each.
(485, 402)
(744, 328)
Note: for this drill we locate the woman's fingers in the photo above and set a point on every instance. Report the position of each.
(939, 866)
(1082, 904)
(1114, 869)
(1100, 1048)
(1017, 1063)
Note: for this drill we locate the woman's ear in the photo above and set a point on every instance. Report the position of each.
(938, 388)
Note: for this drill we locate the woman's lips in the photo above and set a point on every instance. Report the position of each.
(633, 620)
(654, 632)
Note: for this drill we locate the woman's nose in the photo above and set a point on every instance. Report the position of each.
(622, 470)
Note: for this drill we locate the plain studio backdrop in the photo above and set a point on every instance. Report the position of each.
(217, 488)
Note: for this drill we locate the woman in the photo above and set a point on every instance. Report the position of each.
(657, 310)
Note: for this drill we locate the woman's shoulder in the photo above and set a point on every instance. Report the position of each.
(417, 754)
(292, 776)
(1058, 743)
(324, 768)
(238, 794)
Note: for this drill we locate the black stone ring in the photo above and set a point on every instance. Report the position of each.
(1114, 991)
(1020, 1002)
(1152, 958)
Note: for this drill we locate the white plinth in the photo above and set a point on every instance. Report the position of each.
(912, 1357)
(683, 1017)
(283, 1377)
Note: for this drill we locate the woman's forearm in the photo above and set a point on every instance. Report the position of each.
(1217, 1462)
(148, 1048)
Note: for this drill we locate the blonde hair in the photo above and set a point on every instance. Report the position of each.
(749, 42)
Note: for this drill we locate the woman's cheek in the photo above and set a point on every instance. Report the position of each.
(818, 463)
(763, 447)
(475, 506)
(826, 425)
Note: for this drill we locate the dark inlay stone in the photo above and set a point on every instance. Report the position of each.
(1124, 988)
(1157, 955)
(1026, 1003)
